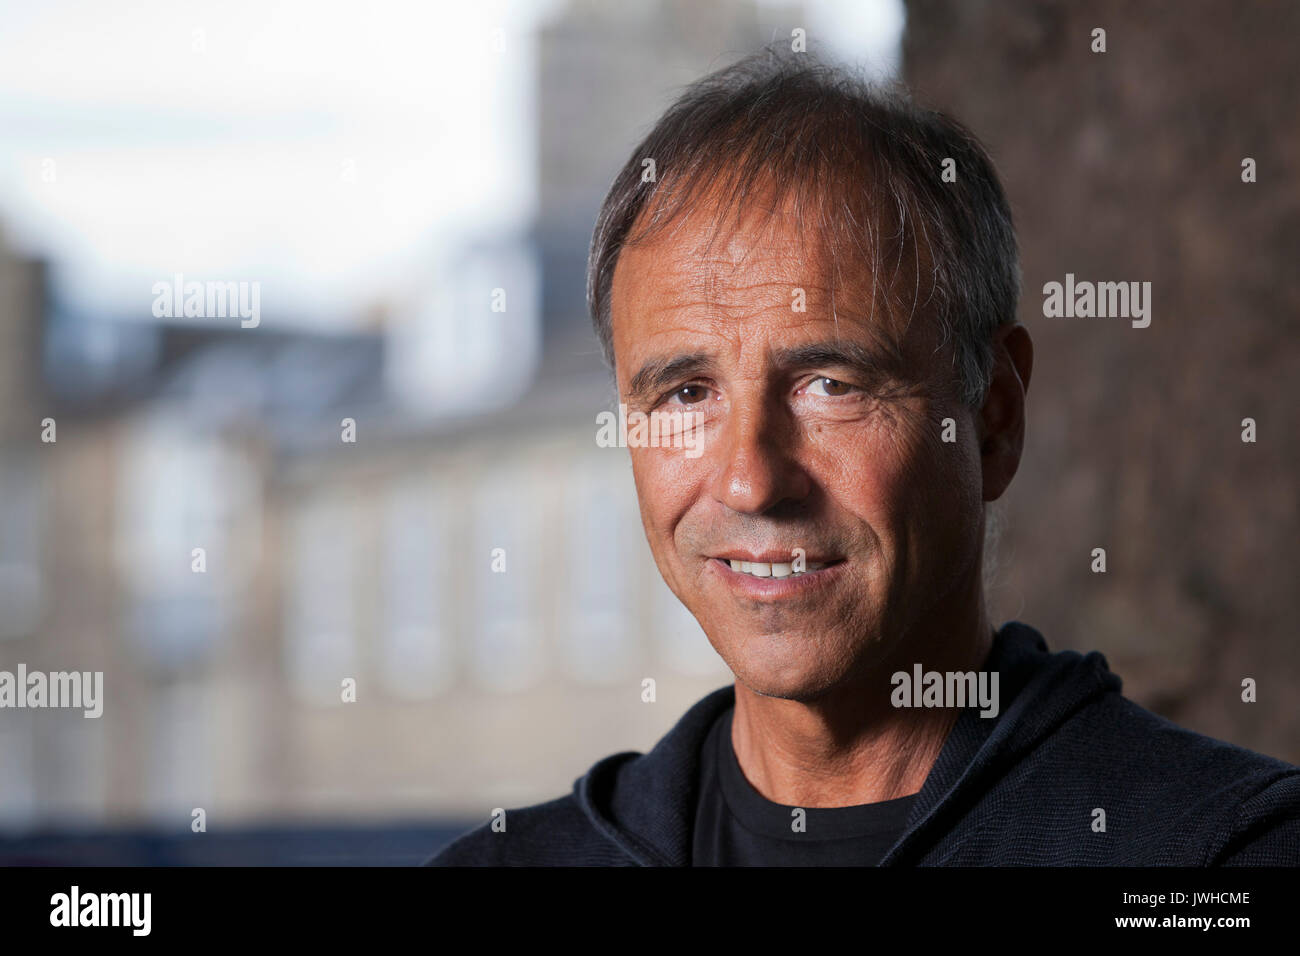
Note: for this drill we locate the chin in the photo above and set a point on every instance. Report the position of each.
(805, 690)
(796, 675)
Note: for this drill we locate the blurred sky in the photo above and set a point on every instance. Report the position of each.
(325, 150)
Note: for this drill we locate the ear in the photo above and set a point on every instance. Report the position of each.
(1002, 419)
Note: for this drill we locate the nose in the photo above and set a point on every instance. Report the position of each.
(761, 469)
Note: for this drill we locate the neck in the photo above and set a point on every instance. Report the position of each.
(850, 745)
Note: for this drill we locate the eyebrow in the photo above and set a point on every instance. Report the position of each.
(869, 362)
(658, 373)
(661, 372)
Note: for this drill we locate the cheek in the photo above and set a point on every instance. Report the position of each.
(665, 482)
(942, 485)
(875, 472)
(904, 482)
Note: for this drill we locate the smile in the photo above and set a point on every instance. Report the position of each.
(776, 580)
(763, 569)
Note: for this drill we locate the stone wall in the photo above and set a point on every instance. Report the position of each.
(1127, 166)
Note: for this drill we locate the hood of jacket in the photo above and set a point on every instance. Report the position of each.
(645, 803)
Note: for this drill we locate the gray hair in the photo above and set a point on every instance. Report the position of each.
(860, 166)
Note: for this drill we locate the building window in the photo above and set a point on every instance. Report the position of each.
(21, 583)
(321, 577)
(416, 657)
(180, 751)
(180, 492)
(507, 557)
(599, 641)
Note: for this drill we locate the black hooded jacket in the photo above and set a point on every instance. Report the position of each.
(1020, 788)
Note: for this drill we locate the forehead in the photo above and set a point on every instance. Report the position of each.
(705, 278)
(701, 257)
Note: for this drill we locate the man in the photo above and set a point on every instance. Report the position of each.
(827, 277)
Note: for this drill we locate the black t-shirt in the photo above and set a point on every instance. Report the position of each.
(735, 825)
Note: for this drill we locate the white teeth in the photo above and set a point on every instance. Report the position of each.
(760, 569)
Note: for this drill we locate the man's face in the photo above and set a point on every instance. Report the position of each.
(821, 431)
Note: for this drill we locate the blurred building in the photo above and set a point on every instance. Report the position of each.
(371, 560)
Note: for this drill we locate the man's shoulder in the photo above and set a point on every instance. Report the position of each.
(1122, 734)
(629, 809)
(554, 833)
(1075, 724)
(1173, 784)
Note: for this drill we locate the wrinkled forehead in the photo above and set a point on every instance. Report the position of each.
(711, 229)
(703, 258)
(774, 254)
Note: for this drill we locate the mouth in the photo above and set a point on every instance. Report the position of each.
(776, 569)
(783, 577)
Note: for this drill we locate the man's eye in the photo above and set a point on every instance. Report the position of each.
(689, 394)
(832, 388)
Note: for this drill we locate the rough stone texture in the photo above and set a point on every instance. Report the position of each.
(1127, 166)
